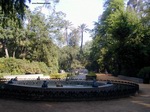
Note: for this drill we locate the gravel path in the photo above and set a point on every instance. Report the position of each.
(138, 103)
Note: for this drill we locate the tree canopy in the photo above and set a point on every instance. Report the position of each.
(120, 45)
(119, 37)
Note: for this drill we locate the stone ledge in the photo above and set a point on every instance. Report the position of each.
(26, 77)
(133, 79)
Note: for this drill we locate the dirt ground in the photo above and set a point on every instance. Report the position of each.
(138, 103)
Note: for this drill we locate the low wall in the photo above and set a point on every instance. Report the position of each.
(133, 79)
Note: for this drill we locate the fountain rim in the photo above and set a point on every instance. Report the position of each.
(120, 89)
(78, 86)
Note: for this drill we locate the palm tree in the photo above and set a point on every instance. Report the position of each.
(82, 28)
(67, 26)
(74, 37)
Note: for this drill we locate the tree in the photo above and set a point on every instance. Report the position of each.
(67, 25)
(120, 42)
(8, 29)
(82, 28)
(86, 53)
(68, 58)
(135, 5)
(73, 39)
(103, 41)
(8, 7)
(56, 24)
(42, 47)
(32, 41)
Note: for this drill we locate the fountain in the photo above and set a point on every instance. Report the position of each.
(67, 90)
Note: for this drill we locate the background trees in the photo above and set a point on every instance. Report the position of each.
(31, 41)
(82, 29)
(9, 7)
(37, 37)
(119, 38)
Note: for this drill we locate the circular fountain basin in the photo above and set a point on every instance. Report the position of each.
(72, 90)
(65, 84)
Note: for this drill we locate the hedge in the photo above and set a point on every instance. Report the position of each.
(14, 66)
(58, 76)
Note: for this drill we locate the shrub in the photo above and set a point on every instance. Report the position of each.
(43, 67)
(91, 74)
(2, 67)
(58, 76)
(9, 65)
(18, 66)
(144, 72)
(70, 74)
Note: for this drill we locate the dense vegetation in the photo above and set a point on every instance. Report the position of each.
(30, 38)
(11, 66)
(121, 38)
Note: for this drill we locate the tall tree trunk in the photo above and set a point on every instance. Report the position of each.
(24, 53)
(81, 41)
(14, 54)
(6, 51)
(67, 36)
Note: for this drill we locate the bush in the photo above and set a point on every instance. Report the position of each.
(43, 67)
(144, 72)
(58, 76)
(18, 66)
(9, 65)
(91, 74)
(70, 74)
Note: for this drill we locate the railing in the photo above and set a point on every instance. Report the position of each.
(133, 79)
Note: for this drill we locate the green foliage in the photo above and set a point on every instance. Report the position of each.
(69, 58)
(74, 38)
(43, 68)
(76, 64)
(91, 74)
(4, 74)
(144, 72)
(58, 76)
(31, 42)
(18, 66)
(70, 74)
(121, 39)
(1, 75)
(12, 6)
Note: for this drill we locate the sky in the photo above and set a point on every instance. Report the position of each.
(77, 12)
